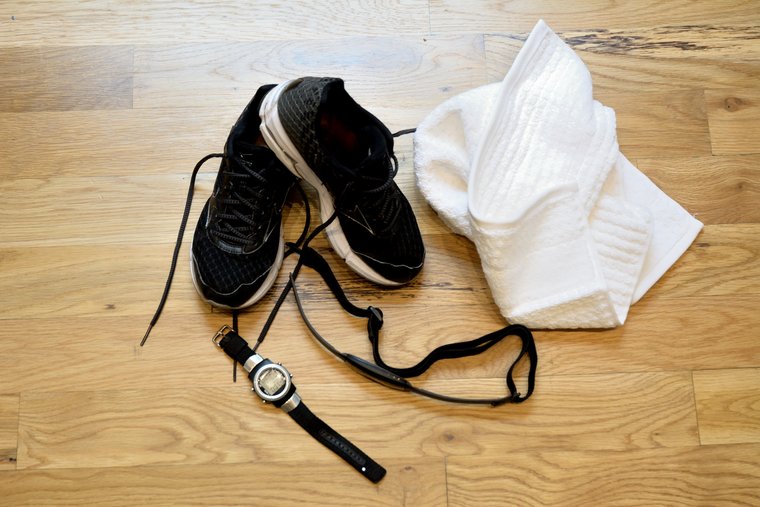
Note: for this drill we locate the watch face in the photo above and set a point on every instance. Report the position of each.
(271, 382)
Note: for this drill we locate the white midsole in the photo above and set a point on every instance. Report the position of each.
(279, 142)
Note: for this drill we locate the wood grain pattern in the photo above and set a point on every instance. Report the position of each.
(722, 262)
(699, 41)
(722, 475)
(8, 430)
(139, 142)
(734, 116)
(123, 22)
(107, 105)
(378, 70)
(672, 335)
(494, 16)
(144, 274)
(728, 405)
(228, 425)
(731, 265)
(703, 42)
(660, 124)
(229, 484)
(628, 66)
(721, 189)
(62, 79)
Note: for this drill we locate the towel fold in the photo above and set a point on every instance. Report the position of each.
(569, 232)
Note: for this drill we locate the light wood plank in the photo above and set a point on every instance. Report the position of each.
(73, 274)
(200, 425)
(617, 67)
(125, 142)
(721, 262)
(662, 335)
(736, 42)
(717, 190)
(669, 43)
(122, 22)
(715, 475)
(728, 405)
(667, 335)
(660, 124)
(734, 116)
(378, 70)
(493, 16)
(71, 210)
(60, 79)
(235, 484)
(104, 353)
(9, 404)
(155, 141)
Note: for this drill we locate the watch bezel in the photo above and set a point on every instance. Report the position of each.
(272, 397)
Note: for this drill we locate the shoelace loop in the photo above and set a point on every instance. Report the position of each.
(239, 226)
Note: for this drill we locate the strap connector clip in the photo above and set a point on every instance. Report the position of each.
(377, 313)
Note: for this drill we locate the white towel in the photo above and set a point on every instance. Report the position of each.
(569, 232)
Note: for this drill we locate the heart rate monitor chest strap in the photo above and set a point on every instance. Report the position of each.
(395, 377)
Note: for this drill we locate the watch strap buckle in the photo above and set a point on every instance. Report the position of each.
(217, 338)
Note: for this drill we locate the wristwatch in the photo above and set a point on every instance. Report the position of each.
(273, 383)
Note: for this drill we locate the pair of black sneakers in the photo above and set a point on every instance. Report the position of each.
(310, 129)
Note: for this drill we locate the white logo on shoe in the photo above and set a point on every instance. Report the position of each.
(363, 222)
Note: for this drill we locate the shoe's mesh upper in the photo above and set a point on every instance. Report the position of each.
(227, 278)
(298, 108)
(397, 253)
(236, 249)
(394, 245)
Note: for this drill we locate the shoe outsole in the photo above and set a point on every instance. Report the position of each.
(279, 142)
(260, 292)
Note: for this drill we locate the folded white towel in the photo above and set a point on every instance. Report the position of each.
(569, 232)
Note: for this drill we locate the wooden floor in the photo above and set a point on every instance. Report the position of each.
(105, 106)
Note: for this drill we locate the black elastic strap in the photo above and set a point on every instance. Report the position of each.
(466, 349)
(394, 377)
(311, 258)
(338, 444)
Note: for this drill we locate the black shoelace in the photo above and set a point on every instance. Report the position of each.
(178, 244)
(241, 207)
(235, 236)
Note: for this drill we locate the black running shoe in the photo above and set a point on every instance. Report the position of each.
(323, 136)
(237, 247)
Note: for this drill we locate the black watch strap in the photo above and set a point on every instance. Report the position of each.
(334, 441)
(233, 345)
(237, 348)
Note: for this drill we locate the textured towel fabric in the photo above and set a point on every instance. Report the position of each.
(569, 232)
